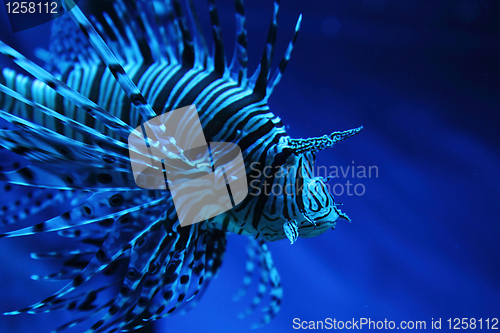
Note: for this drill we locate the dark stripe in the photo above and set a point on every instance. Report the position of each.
(218, 122)
(219, 57)
(285, 198)
(191, 96)
(251, 138)
(324, 216)
(94, 93)
(210, 132)
(188, 51)
(299, 183)
(225, 224)
(161, 100)
(261, 201)
(180, 90)
(126, 107)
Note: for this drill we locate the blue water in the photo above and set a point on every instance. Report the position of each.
(423, 78)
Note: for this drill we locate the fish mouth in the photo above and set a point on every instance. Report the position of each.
(309, 230)
(324, 220)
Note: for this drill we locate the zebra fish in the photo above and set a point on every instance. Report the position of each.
(66, 128)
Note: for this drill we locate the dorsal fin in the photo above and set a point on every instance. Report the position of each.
(126, 27)
(267, 56)
(278, 73)
(219, 56)
(240, 58)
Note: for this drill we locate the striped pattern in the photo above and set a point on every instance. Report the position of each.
(107, 77)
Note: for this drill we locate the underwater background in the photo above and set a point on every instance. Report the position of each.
(423, 78)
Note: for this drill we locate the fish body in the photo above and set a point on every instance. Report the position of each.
(71, 123)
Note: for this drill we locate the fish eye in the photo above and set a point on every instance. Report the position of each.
(280, 158)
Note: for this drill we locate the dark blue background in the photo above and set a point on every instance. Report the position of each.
(423, 78)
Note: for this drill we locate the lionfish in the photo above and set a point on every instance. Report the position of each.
(69, 124)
